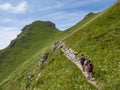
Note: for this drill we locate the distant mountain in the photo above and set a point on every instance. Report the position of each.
(33, 39)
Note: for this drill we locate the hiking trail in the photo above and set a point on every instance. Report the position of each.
(70, 54)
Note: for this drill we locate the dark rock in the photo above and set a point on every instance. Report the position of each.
(89, 14)
(24, 28)
(12, 44)
(50, 24)
(23, 38)
(44, 57)
(1, 56)
(54, 46)
(28, 31)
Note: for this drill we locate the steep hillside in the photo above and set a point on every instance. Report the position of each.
(33, 39)
(34, 48)
(99, 40)
(59, 73)
(97, 37)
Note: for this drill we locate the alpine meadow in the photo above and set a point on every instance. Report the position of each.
(97, 37)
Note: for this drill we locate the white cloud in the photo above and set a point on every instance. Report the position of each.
(7, 20)
(50, 6)
(6, 35)
(20, 8)
(64, 4)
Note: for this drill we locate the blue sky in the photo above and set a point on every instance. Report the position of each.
(15, 14)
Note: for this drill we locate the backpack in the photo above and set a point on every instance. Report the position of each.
(90, 66)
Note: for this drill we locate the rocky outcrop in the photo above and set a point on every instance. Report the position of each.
(12, 44)
(23, 39)
(27, 30)
(1, 56)
(50, 24)
(89, 14)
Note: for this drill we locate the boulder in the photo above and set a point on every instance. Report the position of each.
(44, 57)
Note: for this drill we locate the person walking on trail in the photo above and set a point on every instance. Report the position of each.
(90, 70)
(85, 66)
(82, 59)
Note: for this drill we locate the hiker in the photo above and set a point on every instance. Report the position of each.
(82, 59)
(72, 54)
(76, 54)
(85, 66)
(43, 59)
(90, 70)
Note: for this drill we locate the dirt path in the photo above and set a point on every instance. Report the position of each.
(70, 54)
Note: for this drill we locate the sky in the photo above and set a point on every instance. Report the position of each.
(15, 14)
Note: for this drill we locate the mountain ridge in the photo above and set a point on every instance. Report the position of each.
(97, 37)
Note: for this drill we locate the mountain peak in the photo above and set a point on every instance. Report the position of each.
(36, 28)
(43, 23)
(89, 14)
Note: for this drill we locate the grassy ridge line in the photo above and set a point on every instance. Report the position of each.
(82, 26)
(40, 37)
(100, 42)
(85, 24)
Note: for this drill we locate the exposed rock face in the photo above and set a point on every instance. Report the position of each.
(23, 38)
(43, 59)
(1, 56)
(26, 30)
(51, 24)
(12, 44)
(91, 13)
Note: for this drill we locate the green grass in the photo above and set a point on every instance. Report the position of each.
(100, 42)
(39, 39)
(59, 73)
(97, 36)
(16, 76)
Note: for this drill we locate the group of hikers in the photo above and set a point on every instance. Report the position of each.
(87, 66)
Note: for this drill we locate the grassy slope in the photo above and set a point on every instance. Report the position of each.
(98, 46)
(59, 74)
(18, 79)
(100, 42)
(41, 35)
(87, 19)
